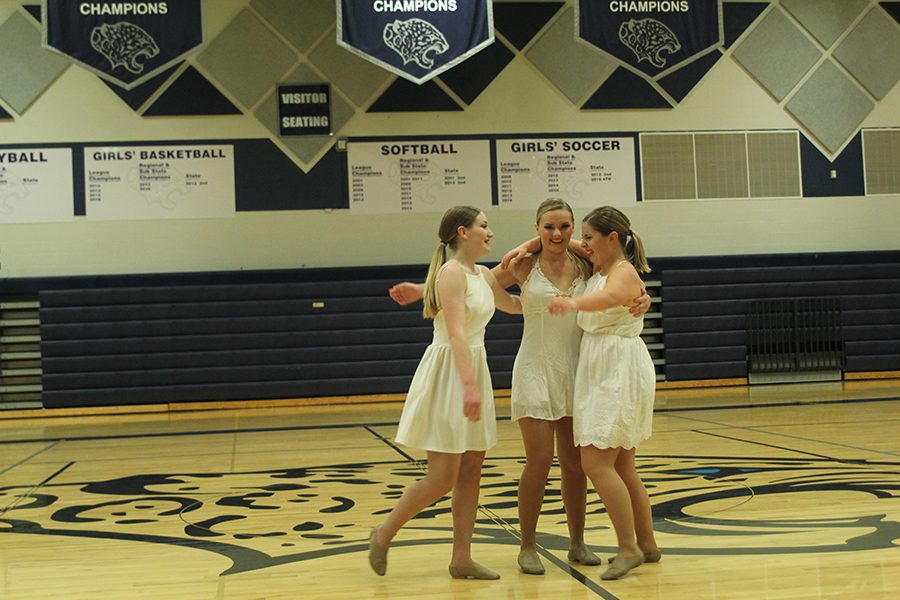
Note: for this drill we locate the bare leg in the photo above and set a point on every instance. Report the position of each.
(465, 509)
(438, 481)
(537, 436)
(574, 492)
(465, 506)
(599, 465)
(574, 482)
(640, 501)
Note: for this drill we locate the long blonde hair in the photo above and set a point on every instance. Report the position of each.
(607, 219)
(448, 234)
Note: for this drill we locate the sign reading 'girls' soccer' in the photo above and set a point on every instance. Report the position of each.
(416, 39)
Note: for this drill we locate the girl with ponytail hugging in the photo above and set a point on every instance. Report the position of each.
(449, 410)
(615, 383)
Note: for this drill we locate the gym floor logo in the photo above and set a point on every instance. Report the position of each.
(261, 519)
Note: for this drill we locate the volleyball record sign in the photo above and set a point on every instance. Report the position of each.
(124, 42)
(416, 39)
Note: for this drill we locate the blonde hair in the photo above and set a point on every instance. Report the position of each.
(448, 234)
(607, 219)
(551, 204)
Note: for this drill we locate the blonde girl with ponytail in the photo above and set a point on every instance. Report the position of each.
(449, 410)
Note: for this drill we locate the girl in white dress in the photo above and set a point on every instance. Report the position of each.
(543, 380)
(615, 384)
(449, 410)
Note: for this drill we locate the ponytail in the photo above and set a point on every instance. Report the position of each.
(453, 219)
(431, 308)
(634, 252)
(607, 219)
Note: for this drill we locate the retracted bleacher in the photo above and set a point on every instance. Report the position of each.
(229, 339)
(179, 338)
(707, 311)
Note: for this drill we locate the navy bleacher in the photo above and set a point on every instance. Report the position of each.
(188, 337)
(706, 302)
(178, 338)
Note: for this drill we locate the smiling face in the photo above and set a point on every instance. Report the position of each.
(601, 248)
(555, 229)
(477, 236)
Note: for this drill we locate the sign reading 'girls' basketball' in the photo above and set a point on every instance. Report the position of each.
(123, 41)
(416, 39)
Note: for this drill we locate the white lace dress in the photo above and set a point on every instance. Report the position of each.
(543, 378)
(432, 417)
(616, 381)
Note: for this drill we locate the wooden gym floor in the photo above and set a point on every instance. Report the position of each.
(768, 492)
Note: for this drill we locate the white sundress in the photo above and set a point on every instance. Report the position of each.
(543, 377)
(616, 381)
(432, 417)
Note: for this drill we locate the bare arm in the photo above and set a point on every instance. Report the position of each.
(407, 292)
(621, 285)
(452, 293)
(521, 251)
(640, 305)
(503, 299)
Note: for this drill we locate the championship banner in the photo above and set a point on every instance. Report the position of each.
(125, 42)
(416, 39)
(651, 37)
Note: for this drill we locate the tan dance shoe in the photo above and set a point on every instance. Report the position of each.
(472, 571)
(377, 554)
(621, 565)
(582, 554)
(530, 562)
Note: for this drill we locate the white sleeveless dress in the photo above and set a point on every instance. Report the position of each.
(616, 381)
(433, 416)
(543, 377)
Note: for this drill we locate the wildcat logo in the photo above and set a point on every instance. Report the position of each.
(124, 45)
(648, 39)
(262, 519)
(416, 41)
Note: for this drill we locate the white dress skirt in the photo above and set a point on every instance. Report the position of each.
(543, 377)
(433, 416)
(616, 381)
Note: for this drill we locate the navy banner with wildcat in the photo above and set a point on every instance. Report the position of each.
(124, 41)
(416, 39)
(651, 37)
